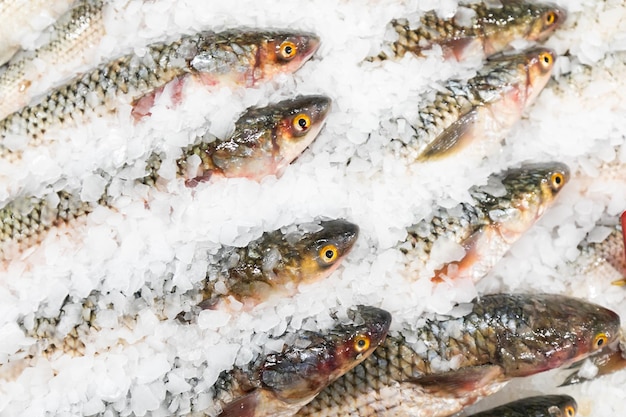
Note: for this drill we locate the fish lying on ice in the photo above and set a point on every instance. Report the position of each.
(438, 366)
(501, 213)
(235, 57)
(484, 28)
(263, 142)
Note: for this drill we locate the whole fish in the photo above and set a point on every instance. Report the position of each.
(264, 141)
(274, 264)
(479, 112)
(438, 366)
(502, 211)
(21, 17)
(481, 28)
(78, 29)
(539, 406)
(280, 384)
(236, 57)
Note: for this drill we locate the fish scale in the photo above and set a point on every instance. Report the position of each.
(241, 57)
(450, 361)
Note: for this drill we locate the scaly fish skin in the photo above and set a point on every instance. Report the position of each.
(277, 262)
(479, 112)
(539, 406)
(264, 142)
(476, 28)
(438, 366)
(605, 260)
(77, 30)
(503, 210)
(233, 57)
(280, 384)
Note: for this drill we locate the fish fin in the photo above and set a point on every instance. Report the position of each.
(244, 406)
(472, 256)
(607, 363)
(464, 380)
(451, 140)
(142, 105)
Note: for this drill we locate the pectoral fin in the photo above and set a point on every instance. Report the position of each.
(242, 407)
(457, 136)
(459, 382)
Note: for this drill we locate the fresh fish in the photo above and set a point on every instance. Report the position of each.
(273, 264)
(480, 28)
(280, 384)
(539, 406)
(479, 112)
(79, 29)
(502, 211)
(21, 17)
(235, 57)
(438, 366)
(264, 141)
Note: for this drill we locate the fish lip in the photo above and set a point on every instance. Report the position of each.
(309, 44)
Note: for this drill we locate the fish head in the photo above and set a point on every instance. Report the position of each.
(303, 370)
(527, 192)
(539, 63)
(321, 252)
(286, 52)
(266, 140)
(554, 331)
(517, 20)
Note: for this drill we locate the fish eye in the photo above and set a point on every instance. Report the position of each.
(329, 253)
(288, 50)
(600, 340)
(546, 59)
(301, 122)
(557, 180)
(361, 343)
(550, 18)
(570, 411)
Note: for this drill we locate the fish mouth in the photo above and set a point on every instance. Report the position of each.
(342, 232)
(308, 43)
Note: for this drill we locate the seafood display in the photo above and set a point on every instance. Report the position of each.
(476, 28)
(432, 371)
(264, 141)
(281, 383)
(241, 58)
(502, 211)
(540, 406)
(471, 117)
(444, 182)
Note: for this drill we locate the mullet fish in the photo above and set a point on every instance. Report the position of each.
(502, 212)
(273, 264)
(539, 406)
(441, 365)
(280, 384)
(235, 57)
(479, 112)
(79, 29)
(481, 28)
(264, 141)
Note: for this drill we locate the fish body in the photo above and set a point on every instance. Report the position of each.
(277, 262)
(19, 17)
(605, 260)
(539, 406)
(481, 28)
(502, 211)
(234, 57)
(280, 384)
(479, 112)
(77, 30)
(264, 141)
(439, 365)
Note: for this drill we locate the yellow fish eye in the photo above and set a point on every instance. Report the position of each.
(361, 343)
(546, 59)
(328, 254)
(600, 340)
(570, 411)
(288, 50)
(557, 180)
(550, 18)
(301, 122)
